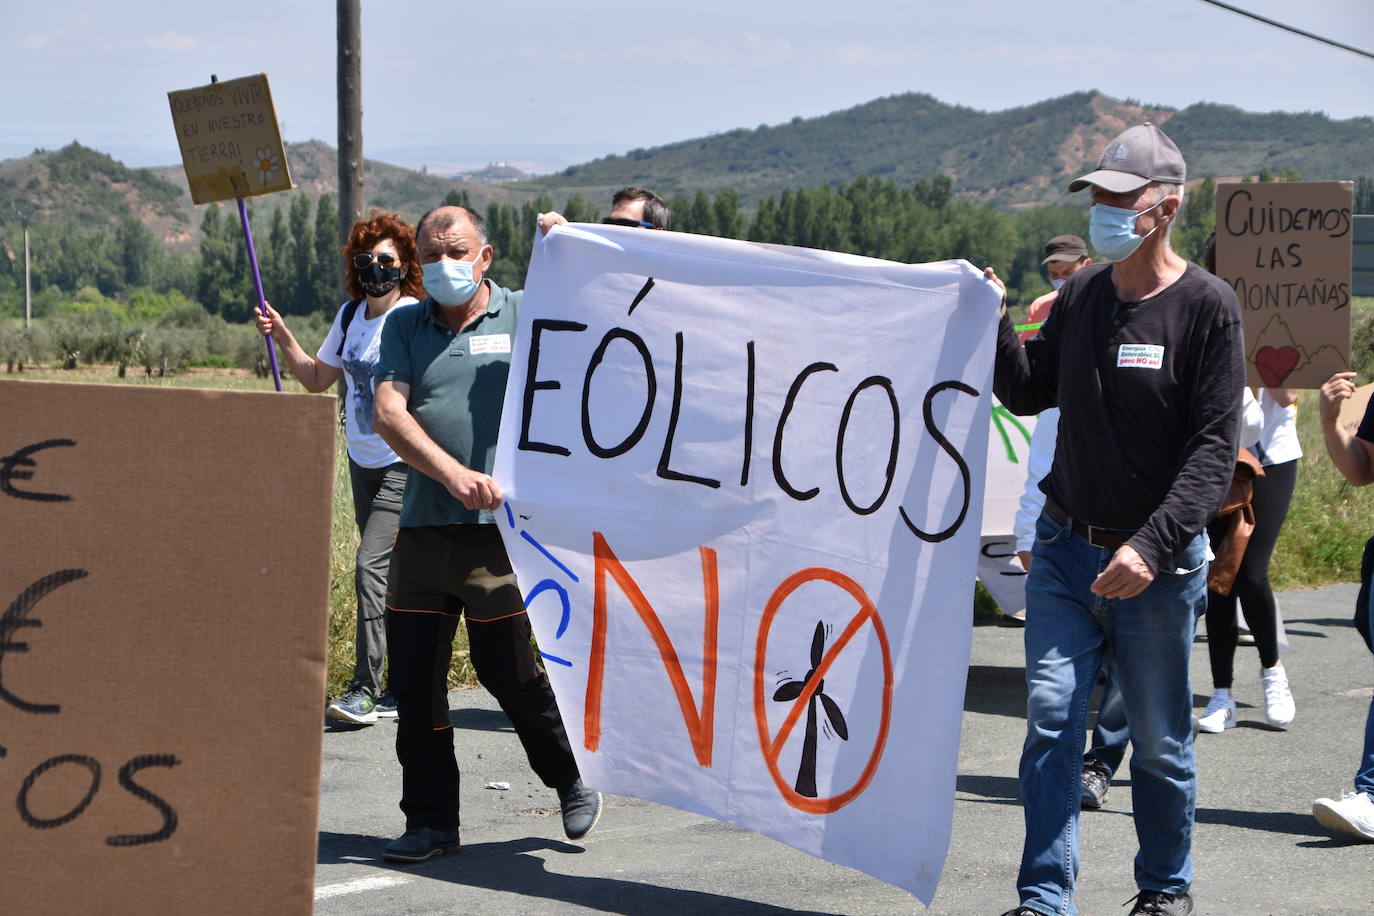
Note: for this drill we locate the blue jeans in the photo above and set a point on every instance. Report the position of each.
(1364, 779)
(1069, 634)
(1111, 734)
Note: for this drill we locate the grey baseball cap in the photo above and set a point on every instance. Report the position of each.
(1065, 248)
(1137, 156)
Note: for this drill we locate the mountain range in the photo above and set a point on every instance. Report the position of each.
(1017, 157)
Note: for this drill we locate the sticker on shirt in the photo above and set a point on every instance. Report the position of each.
(1140, 356)
(489, 343)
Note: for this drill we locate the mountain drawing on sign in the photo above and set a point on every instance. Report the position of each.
(1276, 355)
(806, 771)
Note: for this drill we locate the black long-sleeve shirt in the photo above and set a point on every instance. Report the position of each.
(1149, 399)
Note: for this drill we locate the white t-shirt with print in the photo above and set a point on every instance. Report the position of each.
(359, 363)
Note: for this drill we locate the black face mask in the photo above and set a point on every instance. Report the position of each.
(377, 280)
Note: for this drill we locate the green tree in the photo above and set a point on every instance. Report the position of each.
(276, 262)
(213, 274)
(1197, 220)
(328, 266)
(457, 197)
(302, 296)
(701, 216)
(579, 210)
(1364, 194)
(729, 220)
(137, 250)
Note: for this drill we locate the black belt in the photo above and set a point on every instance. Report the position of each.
(1104, 538)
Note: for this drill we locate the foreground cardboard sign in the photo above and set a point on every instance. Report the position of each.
(164, 586)
(1286, 249)
(744, 485)
(230, 139)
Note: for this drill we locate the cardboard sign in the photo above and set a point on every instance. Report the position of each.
(743, 494)
(164, 588)
(1353, 408)
(1286, 249)
(230, 140)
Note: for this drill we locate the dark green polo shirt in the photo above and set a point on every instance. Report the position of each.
(457, 386)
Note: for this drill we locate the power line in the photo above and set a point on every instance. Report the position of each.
(1288, 28)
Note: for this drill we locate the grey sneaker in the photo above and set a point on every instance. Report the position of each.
(386, 706)
(1220, 715)
(1158, 903)
(1097, 779)
(356, 706)
(581, 809)
(420, 843)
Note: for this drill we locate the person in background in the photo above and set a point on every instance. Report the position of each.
(1353, 813)
(1276, 446)
(381, 272)
(1278, 452)
(1065, 255)
(634, 207)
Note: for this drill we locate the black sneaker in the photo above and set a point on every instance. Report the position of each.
(1097, 779)
(1158, 903)
(420, 843)
(356, 706)
(581, 809)
(1023, 911)
(386, 706)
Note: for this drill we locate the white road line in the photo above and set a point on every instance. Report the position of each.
(358, 885)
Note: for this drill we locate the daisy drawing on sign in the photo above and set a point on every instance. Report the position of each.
(268, 163)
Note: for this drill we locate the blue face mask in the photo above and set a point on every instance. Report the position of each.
(450, 282)
(1112, 230)
(1057, 283)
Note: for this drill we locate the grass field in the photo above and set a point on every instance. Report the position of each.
(1320, 544)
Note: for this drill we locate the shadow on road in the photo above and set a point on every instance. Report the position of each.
(1001, 788)
(996, 691)
(480, 720)
(505, 867)
(1269, 821)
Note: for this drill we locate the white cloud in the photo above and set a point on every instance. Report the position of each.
(36, 43)
(760, 53)
(172, 42)
(855, 56)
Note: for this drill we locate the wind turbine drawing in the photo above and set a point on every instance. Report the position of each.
(806, 772)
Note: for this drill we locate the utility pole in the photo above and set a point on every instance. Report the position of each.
(350, 117)
(25, 210)
(28, 286)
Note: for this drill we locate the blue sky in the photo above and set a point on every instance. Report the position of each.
(544, 84)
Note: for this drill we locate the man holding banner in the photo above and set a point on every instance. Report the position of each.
(440, 381)
(1144, 358)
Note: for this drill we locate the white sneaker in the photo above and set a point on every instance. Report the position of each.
(1278, 700)
(1353, 815)
(1220, 715)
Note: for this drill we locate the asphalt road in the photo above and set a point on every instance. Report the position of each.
(1257, 849)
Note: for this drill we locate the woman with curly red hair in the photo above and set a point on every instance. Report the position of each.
(382, 272)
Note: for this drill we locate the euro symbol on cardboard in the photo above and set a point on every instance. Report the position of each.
(9, 472)
(16, 618)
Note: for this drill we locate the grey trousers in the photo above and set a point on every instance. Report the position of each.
(377, 496)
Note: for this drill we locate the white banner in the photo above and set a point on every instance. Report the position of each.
(743, 499)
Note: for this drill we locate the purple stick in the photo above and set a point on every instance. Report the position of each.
(257, 285)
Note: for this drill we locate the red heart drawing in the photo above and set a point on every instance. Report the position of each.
(1274, 364)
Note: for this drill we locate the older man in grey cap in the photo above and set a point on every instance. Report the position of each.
(1143, 356)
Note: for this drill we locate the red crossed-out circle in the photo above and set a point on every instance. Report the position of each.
(772, 745)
